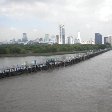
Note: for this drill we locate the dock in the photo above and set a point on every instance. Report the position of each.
(49, 64)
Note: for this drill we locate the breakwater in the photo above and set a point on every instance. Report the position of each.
(49, 64)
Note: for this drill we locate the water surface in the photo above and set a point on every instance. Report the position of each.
(84, 87)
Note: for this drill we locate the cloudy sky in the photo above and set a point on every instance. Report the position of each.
(37, 17)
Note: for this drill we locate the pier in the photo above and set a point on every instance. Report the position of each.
(49, 64)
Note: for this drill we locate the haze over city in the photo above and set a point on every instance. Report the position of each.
(38, 17)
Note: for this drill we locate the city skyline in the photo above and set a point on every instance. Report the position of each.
(38, 18)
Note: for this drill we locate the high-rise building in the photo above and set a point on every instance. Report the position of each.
(105, 40)
(77, 40)
(46, 39)
(110, 40)
(70, 40)
(62, 34)
(98, 38)
(53, 39)
(24, 39)
(57, 39)
(79, 37)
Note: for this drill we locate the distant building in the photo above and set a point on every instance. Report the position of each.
(77, 40)
(53, 39)
(105, 40)
(98, 38)
(13, 41)
(31, 42)
(110, 40)
(62, 34)
(40, 40)
(88, 42)
(19, 40)
(46, 39)
(24, 39)
(84, 42)
(60, 39)
(57, 39)
(70, 40)
(79, 37)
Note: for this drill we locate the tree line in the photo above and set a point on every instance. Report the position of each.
(27, 49)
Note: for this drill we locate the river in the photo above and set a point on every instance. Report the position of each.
(14, 61)
(84, 87)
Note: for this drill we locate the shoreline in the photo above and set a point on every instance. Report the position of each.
(40, 54)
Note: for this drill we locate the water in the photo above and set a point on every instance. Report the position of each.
(14, 61)
(84, 87)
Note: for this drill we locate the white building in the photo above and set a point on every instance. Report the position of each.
(70, 40)
(62, 34)
(79, 37)
(46, 39)
(57, 39)
(110, 40)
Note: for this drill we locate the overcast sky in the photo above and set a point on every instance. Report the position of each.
(37, 17)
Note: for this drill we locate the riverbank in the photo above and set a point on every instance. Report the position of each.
(16, 50)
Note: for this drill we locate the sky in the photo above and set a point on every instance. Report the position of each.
(40, 17)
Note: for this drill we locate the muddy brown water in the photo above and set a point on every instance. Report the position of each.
(84, 87)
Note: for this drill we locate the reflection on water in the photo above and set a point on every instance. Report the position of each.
(84, 87)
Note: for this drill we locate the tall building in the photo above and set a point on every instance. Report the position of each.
(79, 37)
(110, 40)
(57, 39)
(98, 38)
(70, 40)
(77, 40)
(105, 40)
(46, 39)
(53, 39)
(62, 34)
(24, 39)
(60, 28)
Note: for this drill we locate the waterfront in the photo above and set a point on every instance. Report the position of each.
(13, 61)
(84, 87)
